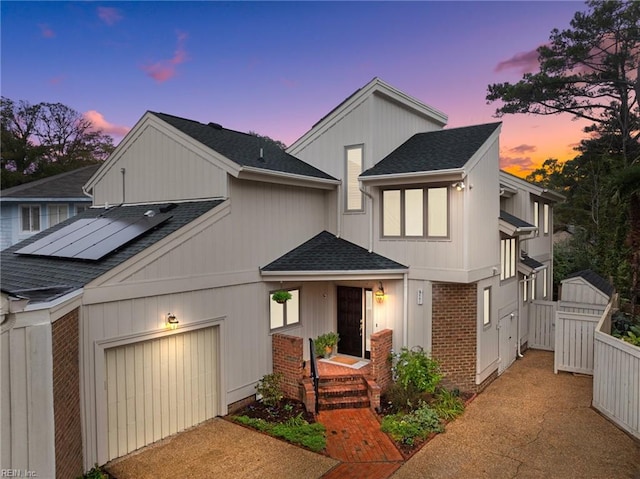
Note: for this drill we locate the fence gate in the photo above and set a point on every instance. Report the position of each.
(542, 318)
(574, 342)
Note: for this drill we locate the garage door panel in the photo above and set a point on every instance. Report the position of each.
(159, 387)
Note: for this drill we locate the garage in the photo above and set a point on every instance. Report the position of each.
(160, 386)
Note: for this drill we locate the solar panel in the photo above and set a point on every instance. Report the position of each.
(92, 238)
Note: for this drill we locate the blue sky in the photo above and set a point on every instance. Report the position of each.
(278, 67)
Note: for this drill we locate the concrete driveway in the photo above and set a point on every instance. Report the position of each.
(529, 423)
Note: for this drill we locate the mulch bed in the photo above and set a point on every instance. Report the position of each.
(285, 410)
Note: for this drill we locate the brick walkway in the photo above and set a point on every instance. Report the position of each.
(354, 438)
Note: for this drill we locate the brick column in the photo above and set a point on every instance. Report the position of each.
(66, 395)
(454, 333)
(287, 359)
(381, 347)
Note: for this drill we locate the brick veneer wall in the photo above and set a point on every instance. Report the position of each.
(66, 395)
(288, 360)
(454, 333)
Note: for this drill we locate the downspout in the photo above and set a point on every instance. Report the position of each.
(339, 211)
(522, 281)
(368, 195)
(405, 311)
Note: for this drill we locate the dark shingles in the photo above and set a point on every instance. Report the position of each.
(64, 185)
(32, 276)
(531, 263)
(243, 148)
(326, 252)
(514, 220)
(435, 150)
(595, 280)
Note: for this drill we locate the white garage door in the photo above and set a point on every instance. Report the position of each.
(158, 387)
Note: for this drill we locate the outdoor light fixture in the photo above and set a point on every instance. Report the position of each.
(459, 185)
(380, 293)
(172, 321)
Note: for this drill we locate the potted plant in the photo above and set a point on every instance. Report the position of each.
(325, 344)
(281, 296)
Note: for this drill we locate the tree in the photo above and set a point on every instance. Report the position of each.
(46, 139)
(592, 71)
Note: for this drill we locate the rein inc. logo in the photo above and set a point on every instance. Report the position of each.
(17, 473)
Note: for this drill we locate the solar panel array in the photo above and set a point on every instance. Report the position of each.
(92, 238)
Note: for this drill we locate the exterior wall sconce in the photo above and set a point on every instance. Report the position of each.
(172, 321)
(459, 185)
(379, 295)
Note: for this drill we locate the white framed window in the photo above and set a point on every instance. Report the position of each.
(544, 283)
(30, 218)
(536, 216)
(486, 303)
(415, 213)
(533, 288)
(285, 314)
(525, 289)
(353, 195)
(57, 213)
(545, 218)
(507, 258)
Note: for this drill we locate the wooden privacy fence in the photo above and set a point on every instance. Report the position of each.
(616, 377)
(542, 318)
(574, 342)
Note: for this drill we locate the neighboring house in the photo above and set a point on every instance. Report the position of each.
(32, 207)
(377, 196)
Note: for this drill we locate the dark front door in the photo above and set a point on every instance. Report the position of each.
(350, 320)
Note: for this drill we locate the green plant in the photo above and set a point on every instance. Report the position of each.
(295, 430)
(281, 296)
(406, 428)
(269, 387)
(403, 399)
(414, 369)
(632, 336)
(328, 340)
(447, 404)
(94, 473)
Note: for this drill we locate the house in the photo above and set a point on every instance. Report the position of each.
(382, 225)
(32, 207)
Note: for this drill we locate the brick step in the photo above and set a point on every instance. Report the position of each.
(326, 404)
(341, 390)
(341, 379)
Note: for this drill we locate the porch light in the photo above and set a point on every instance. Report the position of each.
(379, 295)
(459, 185)
(172, 321)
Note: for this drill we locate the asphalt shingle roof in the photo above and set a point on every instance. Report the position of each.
(64, 185)
(514, 220)
(530, 262)
(434, 150)
(595, 280)
(47, 278)
(326, 252)
(243, 148)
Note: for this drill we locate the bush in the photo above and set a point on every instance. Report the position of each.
(295, 430)
(414, 370)
(406, 428)
(448, 404)
(402, 399)
(269, 388)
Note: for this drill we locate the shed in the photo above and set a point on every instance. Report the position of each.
(585, 292)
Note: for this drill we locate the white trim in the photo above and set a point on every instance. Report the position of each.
(451, 174)
(283, 178)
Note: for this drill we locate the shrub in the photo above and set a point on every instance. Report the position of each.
(269, 388)
(94, 473)
(406, 428)
(403, 399)
(295, 430)
(414, 369)
(447, 404)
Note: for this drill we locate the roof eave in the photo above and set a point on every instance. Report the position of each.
(452, 174)
(511, 230)
(273, 176)
(334, 275)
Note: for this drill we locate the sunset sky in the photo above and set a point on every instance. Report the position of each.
(277, 67)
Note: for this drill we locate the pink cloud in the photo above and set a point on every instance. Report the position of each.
(520, 166)
(46, 31)
(525, 62)
(523, 148)
(109, 15)
(99, 123)
(56, 80)
(163, 70)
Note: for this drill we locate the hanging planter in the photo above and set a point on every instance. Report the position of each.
(281, 296)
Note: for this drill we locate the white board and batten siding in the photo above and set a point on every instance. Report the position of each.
(574, 342)
(616, 379)
(158, 387)
(542, 319)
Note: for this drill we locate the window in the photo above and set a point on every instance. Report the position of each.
(57, 213)
(354, 168)
(81, 208)
(544, 283)
(403, 212)
(285, 314)
(545, 218)
(533, 287)
(525, 287)
(486, 313)
(30, 218)
(536, 216)
(507, 258)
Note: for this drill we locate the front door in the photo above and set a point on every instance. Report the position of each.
(507, 345)
(350, 320)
